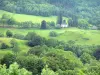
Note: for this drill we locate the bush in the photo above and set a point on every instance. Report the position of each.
(8, 59)
(1, 35)
(9, 33)
(37, 40)
(51, 25)
(97, 54)
(34, 39)
(30, 35)
(18, 36)
(38, 50)
(52, 43)
(4, 46)
(53, 34)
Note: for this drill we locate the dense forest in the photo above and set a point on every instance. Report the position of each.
(43, 47)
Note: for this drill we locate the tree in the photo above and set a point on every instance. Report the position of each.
(8, 59)
(43, 24)
(37, 40)
(52, 43)
(85, 58)
(4, 46)
(47, 71)
(13, 70)
(97, 54)
(30, 35)
(16, 48)
(70, 22)
(11, 21)
(31, 63)
(12, 42)
(9, 33)
(4, 19)
(59, 19)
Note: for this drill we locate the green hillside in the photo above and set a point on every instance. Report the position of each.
(34, 19)
(49, 37)
(81, 37)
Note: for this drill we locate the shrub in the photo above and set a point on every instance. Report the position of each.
(1, 35)
(34, 39)
(38, 50)
(37, 40)
(52, 43)
(9, 33)
(18, 36)
(30, 35)
(12, 42)
(4, 46)
(8, 59)
(43, 24)
(53, 34)
(97, 54)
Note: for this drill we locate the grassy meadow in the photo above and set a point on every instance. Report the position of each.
(34, 19)
(81, 37)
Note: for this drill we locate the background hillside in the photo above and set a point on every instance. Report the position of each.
(81, 9)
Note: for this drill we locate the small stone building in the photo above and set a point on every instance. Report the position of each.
(64, 24)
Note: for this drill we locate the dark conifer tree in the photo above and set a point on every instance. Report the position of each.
(59, 18)
(43, 24)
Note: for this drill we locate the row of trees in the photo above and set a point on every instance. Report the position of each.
(8, 21)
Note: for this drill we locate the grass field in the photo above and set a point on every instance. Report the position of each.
(82, 37)
(34, 19)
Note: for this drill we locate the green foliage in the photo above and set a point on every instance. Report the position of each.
(9, 33)
(43, 24)
(30, 35)
(26, 24)
(38, 50)
(70, 22)
(1, 35)
(35, 39)
(52, 43)
(55, 59)
(31, 63)
(8, 59)
(12, 42)
(83, 24)
(93, 68)
(47, 71)
(11, 21)
(18, 36)
(97, 53)
(16, 48)
(59, 19)
(13, 70)
(53, 34)
(4, 46)
(86, 58)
